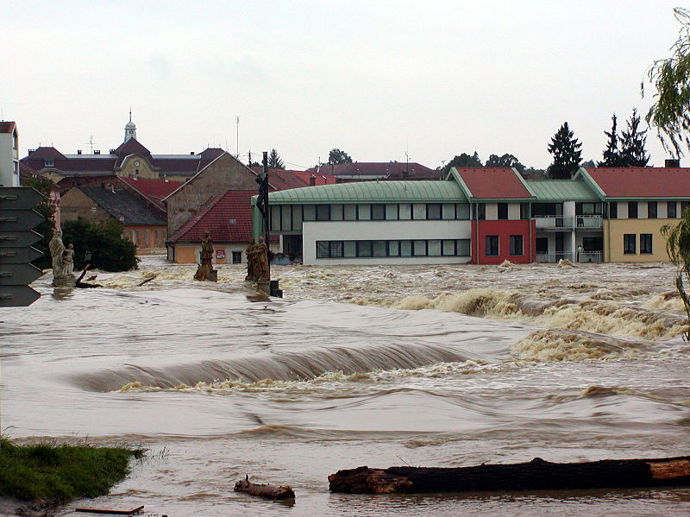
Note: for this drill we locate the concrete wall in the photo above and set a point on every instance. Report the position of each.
(614, 229)
(382, 230)
(223, 174)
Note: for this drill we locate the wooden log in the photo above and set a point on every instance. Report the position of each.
(105, 511)
(534, 475)
(266, 491)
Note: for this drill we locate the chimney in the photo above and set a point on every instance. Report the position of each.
(97, 151)
(78, 151)
(672, 163)
(312, 180)
(31, 151)
(191, 153)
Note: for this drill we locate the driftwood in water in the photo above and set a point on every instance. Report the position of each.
(110, 512)
(147, 280)
(266, 491)
(85, 285)
(534, 475)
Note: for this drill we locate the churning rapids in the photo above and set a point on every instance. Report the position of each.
(378, 366)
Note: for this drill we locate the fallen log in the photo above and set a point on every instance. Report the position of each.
(267, 491)
(110, 512)
(537, 474)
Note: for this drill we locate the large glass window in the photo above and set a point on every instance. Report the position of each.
(632, 209)
(406, 248)
(364, 212)
(434, 248)
(336, 212)
(405, 211)
(378, 212)
(646, 243)
(651, 212)
(419, 211)
(433, 211)
(448, 211)
(321, 249)
(516, 245)
(350, 249)
(285, 218)
(462, 211)
(492, 245)
(463, 247)
(275, 218)
(297, 218)
(323, 212)
(629, 243)
(613, 210)
(481, 211)
(350, 212)
(503, 210)
(391, 212)
(394, 248)
(364, 248)
(448, 247)
(309, 213)
(671, 210)
(379, 248)
(419, 248)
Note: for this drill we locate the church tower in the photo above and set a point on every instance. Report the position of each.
(130, 128)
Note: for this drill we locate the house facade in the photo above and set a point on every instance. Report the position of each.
(483, 216)
(9, 154)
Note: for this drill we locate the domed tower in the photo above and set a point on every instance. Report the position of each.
(130, 128)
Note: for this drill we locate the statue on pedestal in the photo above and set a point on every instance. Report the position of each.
(63, 262)
(205, 271)
(257, 262)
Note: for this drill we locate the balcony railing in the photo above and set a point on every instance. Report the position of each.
(561, 222)
(583, 256)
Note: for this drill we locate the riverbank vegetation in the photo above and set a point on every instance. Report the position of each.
(57, 474)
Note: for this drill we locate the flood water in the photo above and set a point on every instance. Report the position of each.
(378, 366)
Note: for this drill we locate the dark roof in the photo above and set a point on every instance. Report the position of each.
(124, 206)
(131, 146)
(493, 183)
(228, 216)
(281, 179)
(642, 182)
(7, 127)
(151, 189)
(382, 170)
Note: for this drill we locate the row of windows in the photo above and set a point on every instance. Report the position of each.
(290, 217)
(394, 248)
(501, 211)
(630, 243)
(493, 249)
(652, 209)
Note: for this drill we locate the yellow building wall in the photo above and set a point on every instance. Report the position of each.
(614, 229)
(130, 169)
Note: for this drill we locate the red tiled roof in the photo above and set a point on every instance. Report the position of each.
(642, 181)
(383, 170)
(228, 216)
(319, 179)
(493, 183)
(152, 189)
(7, 127)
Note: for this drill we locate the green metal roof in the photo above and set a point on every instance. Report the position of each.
(373, 192)
(561, 190)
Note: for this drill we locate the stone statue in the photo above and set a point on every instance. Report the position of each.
(63, 262)
(205, 271)
(257, 262)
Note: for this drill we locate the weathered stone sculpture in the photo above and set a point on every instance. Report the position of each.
(63, 262)
(205, 271)
(257, 262)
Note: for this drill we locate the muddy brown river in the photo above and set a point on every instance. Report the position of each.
(379, 366)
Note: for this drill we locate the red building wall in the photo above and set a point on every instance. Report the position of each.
(503, 229)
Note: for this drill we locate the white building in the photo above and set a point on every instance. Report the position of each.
(9, 154)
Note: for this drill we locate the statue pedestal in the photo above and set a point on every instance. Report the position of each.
(270, 287)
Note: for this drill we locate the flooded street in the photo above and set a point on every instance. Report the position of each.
(378, 366)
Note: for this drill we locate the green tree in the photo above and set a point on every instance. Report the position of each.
(678, 248)
(100, 244)
(336, 156)
(47, 210)
(633, 153)
(274, 161)
(670, 112)
(463, 160)
(612, 155)
(507, 160)
(566, 154)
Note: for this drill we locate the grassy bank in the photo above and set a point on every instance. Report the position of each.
(60, 473)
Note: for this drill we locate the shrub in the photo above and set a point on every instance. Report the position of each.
(100, 244)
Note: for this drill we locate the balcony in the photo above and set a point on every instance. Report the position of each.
(559, 223)
(582, 257)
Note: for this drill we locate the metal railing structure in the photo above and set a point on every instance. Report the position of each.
(582, 257)
(561, 222)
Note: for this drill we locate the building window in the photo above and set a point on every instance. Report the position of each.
(350, 212)
(379, 248)
(629, 244)
(613, 210)
(285, 218)
(433, 211)
(503, 210)
(236, 257)
(516, 245)
(462, 211)
(646, 243)
(378, 212)
(419, 211)
(448, 211)
(434, 248)
(481, 211)
(683, 206)
(297, 218)
(492, 245)
(336, 249)
(651, 212)
(671, 210)
(309, 213)
(364, 212)
(524, 211)
(393, 248)
(419, 248)
(275, 218)
(48, 163)
(364, 248)
(632, 209)
(323, 212)
(350, 249)
(321, 249)
(391, 212)
(405, 248)
(405, 211)
(336, 212)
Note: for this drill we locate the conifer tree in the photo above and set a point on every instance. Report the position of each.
(633, 153)
(274, 161)
(566, 154)
(612, 155)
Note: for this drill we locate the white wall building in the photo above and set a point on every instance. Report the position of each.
(9, 154)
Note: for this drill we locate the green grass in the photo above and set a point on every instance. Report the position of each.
(60, 473)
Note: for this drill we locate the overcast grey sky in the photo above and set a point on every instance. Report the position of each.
(373, 78)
